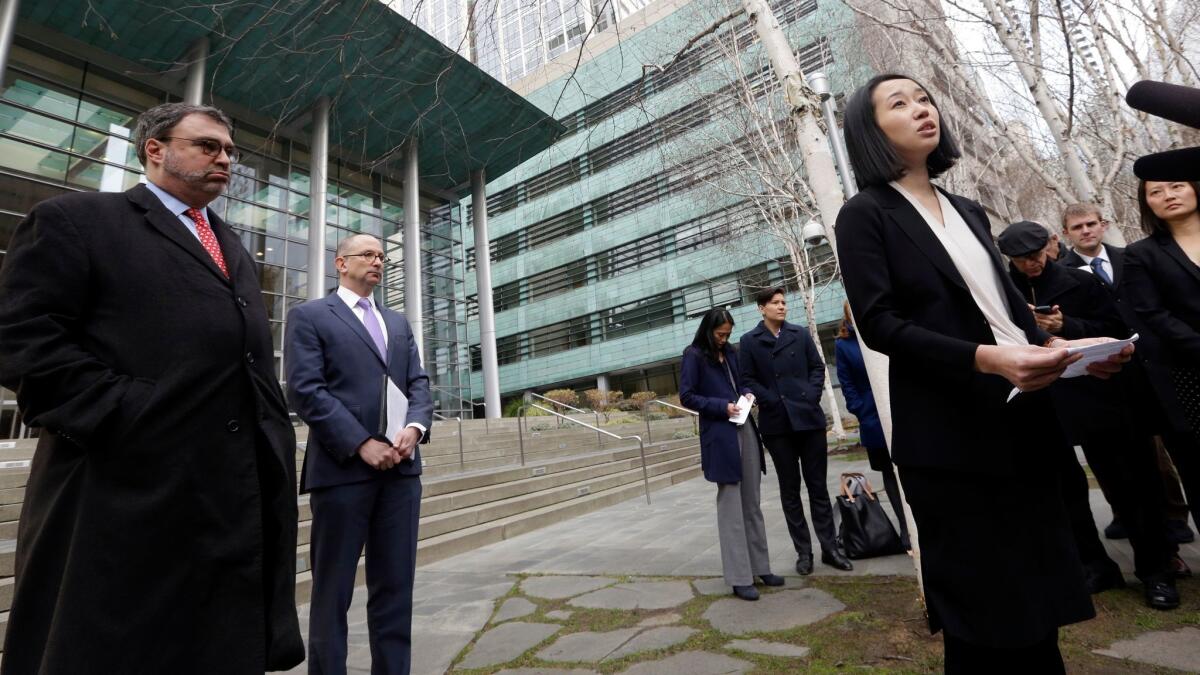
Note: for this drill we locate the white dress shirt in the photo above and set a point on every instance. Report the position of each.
(1108, 268)
(351, 299)
(974, 264)
(178, 208)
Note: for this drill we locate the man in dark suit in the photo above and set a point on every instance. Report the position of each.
(781, 365)
(1102, 416)
(1084, 226)
(341, 351)
(158, 532)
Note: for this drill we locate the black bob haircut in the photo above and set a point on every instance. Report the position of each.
(1151, 223)
(712, 319)
(874, 160)
(765, 295)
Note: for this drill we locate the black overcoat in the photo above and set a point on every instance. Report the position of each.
(998, 564)
(786, 375)
(704, 386)
(1161, 288)
(159, 526)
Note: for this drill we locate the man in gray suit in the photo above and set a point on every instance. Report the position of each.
(365, 486)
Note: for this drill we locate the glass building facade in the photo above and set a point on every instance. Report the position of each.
(65, 126)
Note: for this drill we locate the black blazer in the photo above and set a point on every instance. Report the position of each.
(165, 469)
(1116, 258)
(1161, 288)
(912, 305)
(786, 376)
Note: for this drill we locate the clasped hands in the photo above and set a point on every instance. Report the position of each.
(381, 456)
(1029, 367)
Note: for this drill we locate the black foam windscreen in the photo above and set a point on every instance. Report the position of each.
(1168, 101)
(1171, 165)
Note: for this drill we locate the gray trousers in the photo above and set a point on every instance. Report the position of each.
(740, 520)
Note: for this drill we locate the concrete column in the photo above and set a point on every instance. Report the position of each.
(602, 383)
(8, 26)
(318, 178)
(193, 88)
(483, 281)
(413, 277)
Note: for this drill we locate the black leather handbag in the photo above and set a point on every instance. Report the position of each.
(865, 531)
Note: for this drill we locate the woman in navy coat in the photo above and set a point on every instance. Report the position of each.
(860, 400)
(730, 455)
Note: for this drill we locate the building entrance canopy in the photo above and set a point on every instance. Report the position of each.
(387, 80)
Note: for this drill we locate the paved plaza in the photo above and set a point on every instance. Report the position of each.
(652, 561)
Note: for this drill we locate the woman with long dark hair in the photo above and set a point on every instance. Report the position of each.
(930, 291)
(1162, 286)
(730, 455)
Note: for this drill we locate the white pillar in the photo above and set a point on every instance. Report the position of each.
(602, 383)
(193, 88)
(483, 282)
(8, 26)
(318, 179)
(413, 277)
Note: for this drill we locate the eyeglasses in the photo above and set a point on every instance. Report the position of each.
(209, 146)
(370, 256)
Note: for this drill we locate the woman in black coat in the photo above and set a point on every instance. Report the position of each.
(929, 290)
(730, 455)
(1162, 287)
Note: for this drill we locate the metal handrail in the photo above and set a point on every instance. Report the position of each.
(461, 462)
(470, 404)
(598, 430)
(599, 438)
(645, 415)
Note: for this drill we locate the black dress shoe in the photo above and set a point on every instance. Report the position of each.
(1178, 532)
(836, 559)
(771, 579)
(751, 593)
(1108, 578)
(1115, 530)
(1162, 594)
(1179, 568)
(804, 566)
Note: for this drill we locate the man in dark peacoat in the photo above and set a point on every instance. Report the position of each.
(781, 365)
(365, 487)
(159, 527)
(1099, 415)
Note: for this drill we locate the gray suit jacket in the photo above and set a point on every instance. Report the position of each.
(334, 379)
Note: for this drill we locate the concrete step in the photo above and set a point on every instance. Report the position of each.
(441, 547)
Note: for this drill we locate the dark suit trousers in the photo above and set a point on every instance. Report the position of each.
(1126, 465)
(1074, 489)
(965, 658)
(792, 454)
(383, 515)
(1185, 452)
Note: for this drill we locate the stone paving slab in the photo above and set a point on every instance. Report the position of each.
(774, 612)
(506, 642)
(692, 663)
(768, 648)
(654, 638)
(559, 614)
(660, 620)
(558, 588)
(586, 646)
(1179, 649)
(514, 608)
(545, 671)
(639, 595)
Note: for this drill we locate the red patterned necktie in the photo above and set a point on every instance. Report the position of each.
(207, 239)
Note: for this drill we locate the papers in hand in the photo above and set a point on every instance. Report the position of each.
(397, 410)
(743, 405)
(1091, 354)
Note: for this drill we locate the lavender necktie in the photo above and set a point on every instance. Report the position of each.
(372, 325)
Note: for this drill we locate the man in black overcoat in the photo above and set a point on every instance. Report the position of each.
(158, 533)
(1100, 415)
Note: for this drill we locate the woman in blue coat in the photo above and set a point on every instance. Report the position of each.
(860, 400)
(730, 455)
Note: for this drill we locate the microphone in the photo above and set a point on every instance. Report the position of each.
(1172, 165)
(1168, 101)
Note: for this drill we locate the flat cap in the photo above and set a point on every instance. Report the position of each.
(1023, 238)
